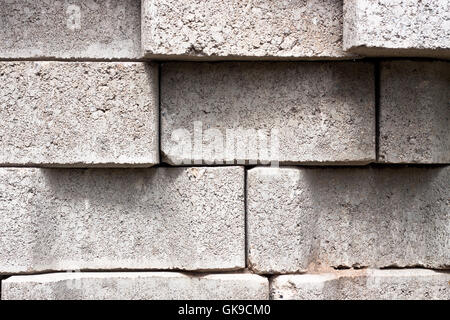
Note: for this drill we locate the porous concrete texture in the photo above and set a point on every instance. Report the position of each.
(75, 29)
(414, 112)
(79, 114)
(408, 284)
(98, 219)
(316, 112)
(408, 28)
(243, 29)
(314, 219)
(135, 286)
(276, 149)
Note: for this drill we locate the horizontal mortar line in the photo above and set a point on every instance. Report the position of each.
(314, 166)
(260, 60)
(125, 167)
(215, 61)
(72, 60)
(337, 271)
(281, 164)
(117, 167)
(246, 166)
(163, 60)
(167, 59)
(352, 166)
(313, 60)
(197, 273)
(68, 166)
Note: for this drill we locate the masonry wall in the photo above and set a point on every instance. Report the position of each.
(191, 149)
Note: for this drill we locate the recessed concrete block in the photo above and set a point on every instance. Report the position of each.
(408, 284)
(406, 28)
(414, 112)
(135, 286)
(225, 30)
(79, 114)
(76, 29)
(104, 219)
(293, 113)
(308, 219)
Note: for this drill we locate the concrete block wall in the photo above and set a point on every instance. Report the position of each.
(127, 175)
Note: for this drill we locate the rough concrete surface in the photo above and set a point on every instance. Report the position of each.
(135, 286)
(397, 28)
(98, 219)
(79, 114)
(408, 284)
(308, 219)
(86, 29)
(414, 112)
(323, 113)
(243, 29)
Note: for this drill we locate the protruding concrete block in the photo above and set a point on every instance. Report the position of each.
(76, 29)
(79, 114)
(408, 284)
(104, 219)
(135, 286)
(225, 30)
(414, 112)
(307, 219)
(294, 113)
(406, 28)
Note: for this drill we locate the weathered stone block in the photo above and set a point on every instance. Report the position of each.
(97, 219)
(261, 29)
(135, 286)
(408, 28)
(409, 284)
(79, 114)
(307, 219)
(86, 29)
(294, 113)
(414, 112)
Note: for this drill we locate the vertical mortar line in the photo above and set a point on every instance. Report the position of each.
(245, 219)
(159, 111)
(270, 279)
(2, 278)
(377, 109)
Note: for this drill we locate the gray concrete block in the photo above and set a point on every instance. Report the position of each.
(135, 286)
(294, 113)
(308, 219)
(405, 28)
(226, 30)
(408, 284)
(79, 114)
(414, 112)
(104, 219)
(76, 29)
